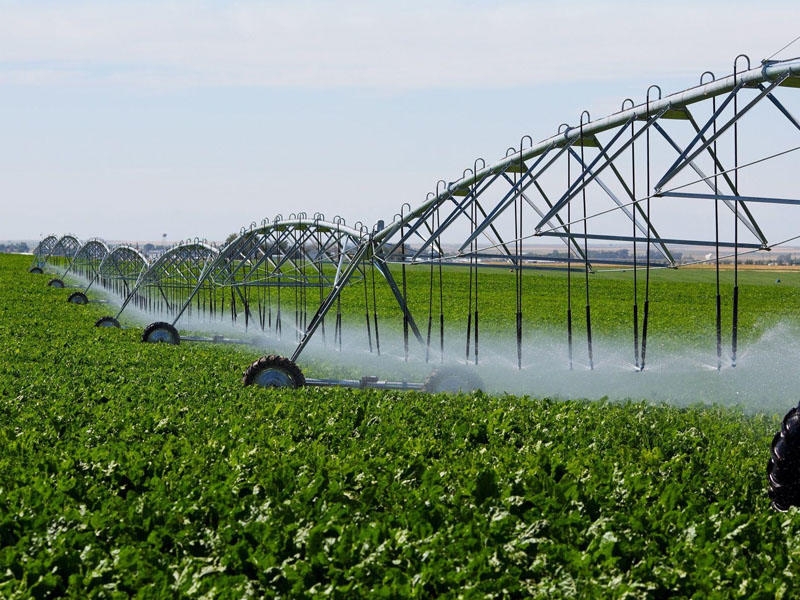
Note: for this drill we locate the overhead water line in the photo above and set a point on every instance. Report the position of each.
(585, 244)
(634, 235)
(735, 321)
(646, 315)
(518, 205)
(718, 307)
(569, 264)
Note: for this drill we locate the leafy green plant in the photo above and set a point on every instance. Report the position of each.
(147, 470)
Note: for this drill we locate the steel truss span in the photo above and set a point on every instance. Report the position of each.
(273, 276)
(61, 254)
(120, 270)
(87, 260)
(164, 285)
(700, 175)
(695, 176)
(41, 252)
(695, 173)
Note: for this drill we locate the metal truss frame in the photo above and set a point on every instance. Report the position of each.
(63, 252)
(164, 285)
(87, 260)
(599, 181)
(120, 270)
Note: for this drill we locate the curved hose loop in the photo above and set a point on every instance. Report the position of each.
(277, 218)
(623, 107)
(403, 208)
(703, 75)
(292, 216)
(338, 220)
(301, 215)
(736, 64)
(242, 231)
(510, 150)
(429, 196)
(475, 168)
(522, 141)
(565, 129)
(653, 87)
(446, 187)
(588, 120)
(265, 222)
(318, 216)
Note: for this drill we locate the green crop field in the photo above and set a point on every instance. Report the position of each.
(148, 470)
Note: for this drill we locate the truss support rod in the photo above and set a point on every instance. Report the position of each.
(661, 247)
(461, 207)
(745, 217)
(581, 182)
(683, 160)
(517, 189)
(569, 241)
(387, 274)
(757, 199)
(673, 168)
(769, 71)
(365, 252)
(780, 107)
(628, 238)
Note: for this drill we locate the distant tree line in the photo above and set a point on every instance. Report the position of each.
(783, 259)
(15, 247)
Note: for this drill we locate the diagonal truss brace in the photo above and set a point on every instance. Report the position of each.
(684, 160)
(581, 182)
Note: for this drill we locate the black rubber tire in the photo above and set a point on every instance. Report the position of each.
(783, 466)
(35, 270)
(452, 380)
(107, 322)
(78, 298)
(274, 371)
(161, 332)
(56, 283)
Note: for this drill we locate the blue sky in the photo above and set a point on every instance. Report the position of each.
(130, 119)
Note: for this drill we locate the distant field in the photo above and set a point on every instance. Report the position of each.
(682, 301)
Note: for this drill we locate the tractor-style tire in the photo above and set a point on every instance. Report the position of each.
(78, 298)
(55, 283)
(107, 322)
(452, 380)
(274, 371)
(160, 332)
(36, 270)
(783, 467)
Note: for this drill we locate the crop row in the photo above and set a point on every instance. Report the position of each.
(131, 469)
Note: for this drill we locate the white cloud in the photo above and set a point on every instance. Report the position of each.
(379, 45)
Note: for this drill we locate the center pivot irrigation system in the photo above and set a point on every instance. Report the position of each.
(704, 169)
